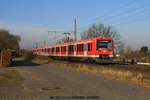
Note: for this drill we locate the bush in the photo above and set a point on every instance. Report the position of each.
(28, 55)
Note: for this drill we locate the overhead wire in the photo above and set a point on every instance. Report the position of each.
(110, 12)
(142, 14)
(139, 10)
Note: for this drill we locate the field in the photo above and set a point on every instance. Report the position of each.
(134, 74)
(9, 77)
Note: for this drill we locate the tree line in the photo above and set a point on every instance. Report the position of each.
(9, 41)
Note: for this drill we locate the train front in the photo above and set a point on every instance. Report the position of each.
(105, 48)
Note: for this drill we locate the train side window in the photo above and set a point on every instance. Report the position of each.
(53, 50)
(82, 47)
(46, 50)
(75, 47)
(57, 49)
(89, 46)
(64, 48)
(78, 47)
(71, 48)
(85, 47)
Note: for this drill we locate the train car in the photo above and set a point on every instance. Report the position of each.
(93, 49)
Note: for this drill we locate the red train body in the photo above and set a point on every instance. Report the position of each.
(95, 48)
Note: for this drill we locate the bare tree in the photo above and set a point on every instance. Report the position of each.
(99, 30)
(9, 41)
(144, 50)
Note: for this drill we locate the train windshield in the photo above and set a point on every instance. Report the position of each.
(104, 44)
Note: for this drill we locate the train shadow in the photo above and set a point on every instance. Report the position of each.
(19, 62)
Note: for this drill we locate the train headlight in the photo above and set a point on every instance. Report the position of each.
(111, 56)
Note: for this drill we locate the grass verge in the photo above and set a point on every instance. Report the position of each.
(9, 77)
(40, 60)
(118, 74)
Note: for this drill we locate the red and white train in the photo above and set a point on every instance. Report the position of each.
(94, 49)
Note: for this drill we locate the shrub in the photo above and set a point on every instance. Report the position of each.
(28, 55)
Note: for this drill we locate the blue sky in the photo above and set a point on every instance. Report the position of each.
(31, 19)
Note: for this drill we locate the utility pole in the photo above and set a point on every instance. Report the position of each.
(67, 36)
(44, 43)
(36, 45)
(75, 29)
(52, 32)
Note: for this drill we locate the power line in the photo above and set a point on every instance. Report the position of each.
(124, 6)
(138, 9)
(135, 10)
(141, 14)
(110, 12)
(134, 21)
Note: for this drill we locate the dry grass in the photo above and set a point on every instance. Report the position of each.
(9, 77)
(40, 60)
(118, 74)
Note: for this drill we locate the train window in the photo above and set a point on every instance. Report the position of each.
(71, 48)
(77, 47)
(53, 50)
(50, 49)
(64, 48)
(57, 49)
(85, 47)
(104, 44)
(46, 50)
(80, 47)
(89, 46)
